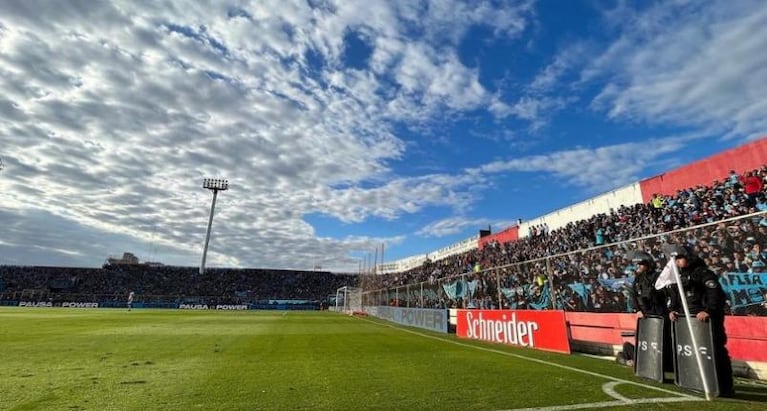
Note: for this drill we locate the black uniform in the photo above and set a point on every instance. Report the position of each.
(705, 293)
(649, 300)
(652, 302)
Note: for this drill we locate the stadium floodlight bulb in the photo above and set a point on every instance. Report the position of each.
(215, 185)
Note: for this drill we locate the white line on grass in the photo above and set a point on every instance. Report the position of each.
(603, 404)
(679, 397)
(609, 389)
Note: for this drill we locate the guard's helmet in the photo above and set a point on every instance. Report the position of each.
(677, 250)
(641, 257)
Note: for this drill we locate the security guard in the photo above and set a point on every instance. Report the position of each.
(706, 300)
(651, 301)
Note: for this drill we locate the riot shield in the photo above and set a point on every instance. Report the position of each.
(649, 348)
(686, 372)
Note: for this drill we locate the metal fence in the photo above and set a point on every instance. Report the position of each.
(599, 279)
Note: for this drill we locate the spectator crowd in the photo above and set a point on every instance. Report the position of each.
(578, 267)
(582, 266)
(169, 283)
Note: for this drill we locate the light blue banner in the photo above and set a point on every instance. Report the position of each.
(460, 288)
(617, 284)
(744, 289)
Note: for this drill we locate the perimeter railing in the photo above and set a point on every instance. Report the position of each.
(599, 279)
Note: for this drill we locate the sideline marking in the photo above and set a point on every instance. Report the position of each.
(678, 397)
(603, 404)
(609, 389)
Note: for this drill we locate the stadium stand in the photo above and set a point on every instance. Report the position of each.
(510, 269)
(495, 275)
(577, 265)
(564, 260)
(168, 284)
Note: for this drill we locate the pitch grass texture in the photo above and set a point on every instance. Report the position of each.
(59, 359)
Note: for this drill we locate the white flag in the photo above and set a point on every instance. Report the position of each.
(666, 276)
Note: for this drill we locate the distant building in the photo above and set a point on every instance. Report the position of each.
(127, 259)
(130, 259)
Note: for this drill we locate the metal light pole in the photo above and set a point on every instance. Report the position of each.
(216, 185)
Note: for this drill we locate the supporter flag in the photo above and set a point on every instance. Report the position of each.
(544, 301)
(616, 284)
(544, 298)
(509, 293)
(455, 289)
(666, 276)
(472, 286)
(450, 290)
(582, 290)
(745, 289)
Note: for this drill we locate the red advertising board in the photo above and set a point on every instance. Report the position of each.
(543, 330)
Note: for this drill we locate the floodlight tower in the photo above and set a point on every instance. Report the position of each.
(216, 185)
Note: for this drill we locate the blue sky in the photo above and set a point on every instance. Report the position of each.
(344, 125)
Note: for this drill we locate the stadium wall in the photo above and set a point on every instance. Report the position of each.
(455, 248)
(428, 319)
(403, 264)
(509, 234)
(627, 195)
(408, 263)
(280, 305)
(604, 334)
(743, 158)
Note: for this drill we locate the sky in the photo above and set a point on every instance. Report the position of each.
(349, 126)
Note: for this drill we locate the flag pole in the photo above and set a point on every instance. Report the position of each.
(689, 327)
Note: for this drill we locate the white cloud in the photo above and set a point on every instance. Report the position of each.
(548, 79)
(697, 64)
(452, 225)
(538, 109)
(114, 112)
(547, 93)
(598, 168)
(595, 169)
(459, 223)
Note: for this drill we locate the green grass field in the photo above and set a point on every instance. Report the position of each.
(59, 359)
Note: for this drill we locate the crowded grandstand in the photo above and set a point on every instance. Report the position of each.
(556, 261)
(580, 265)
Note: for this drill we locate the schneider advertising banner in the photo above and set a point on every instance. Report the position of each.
(429, 319)
(542, 330)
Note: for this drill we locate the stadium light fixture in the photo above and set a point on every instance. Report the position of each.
(216, 185)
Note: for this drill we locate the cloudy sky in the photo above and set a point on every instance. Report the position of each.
(343, 125)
